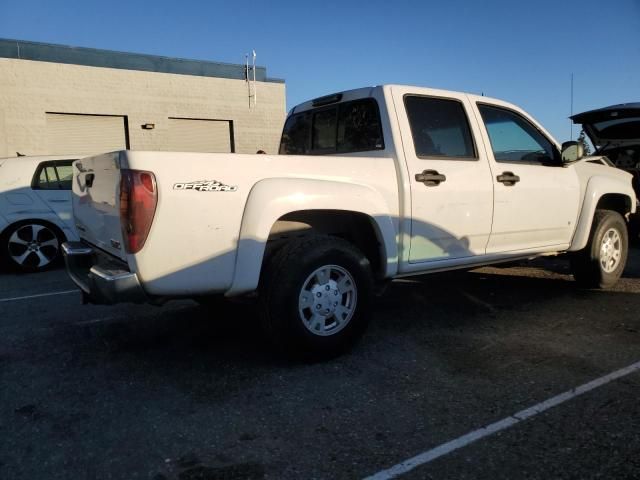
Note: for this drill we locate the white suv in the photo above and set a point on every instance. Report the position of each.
(35, 210)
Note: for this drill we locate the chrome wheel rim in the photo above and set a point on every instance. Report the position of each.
(327, 300)
(610, 250)
(33, 246)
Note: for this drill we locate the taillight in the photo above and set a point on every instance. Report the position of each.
(138, 200)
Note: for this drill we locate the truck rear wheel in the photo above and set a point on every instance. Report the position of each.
(315, 297)
(602, 261)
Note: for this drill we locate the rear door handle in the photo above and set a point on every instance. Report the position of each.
(431, 178)
(508, 178)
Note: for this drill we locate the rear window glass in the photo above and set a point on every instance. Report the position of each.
(439, 127)
(347, 127)
(359, 127)
(324, 130)
(296, 134)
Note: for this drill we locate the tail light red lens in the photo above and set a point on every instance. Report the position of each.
(138, 200)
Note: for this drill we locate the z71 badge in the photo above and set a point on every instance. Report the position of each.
(205, 186)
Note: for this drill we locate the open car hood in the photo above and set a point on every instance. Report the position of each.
(616, 126)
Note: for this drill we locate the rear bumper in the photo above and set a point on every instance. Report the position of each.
(102, 279)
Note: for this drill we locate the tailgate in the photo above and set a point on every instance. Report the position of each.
(96, 190)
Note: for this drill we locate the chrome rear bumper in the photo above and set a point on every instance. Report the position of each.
(103, 279)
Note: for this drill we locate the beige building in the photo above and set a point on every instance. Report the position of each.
(56, 99)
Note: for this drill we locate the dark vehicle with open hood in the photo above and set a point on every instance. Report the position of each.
(615, 133)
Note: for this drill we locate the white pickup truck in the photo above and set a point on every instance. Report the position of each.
(370, 185)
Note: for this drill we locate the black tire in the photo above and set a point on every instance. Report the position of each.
(587, 265)
(344, 287)
(634, 229)
(31, 246)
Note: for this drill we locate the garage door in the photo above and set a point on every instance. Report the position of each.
(84, 134)
(190, 135)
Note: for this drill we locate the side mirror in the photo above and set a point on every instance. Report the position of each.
(572, 151)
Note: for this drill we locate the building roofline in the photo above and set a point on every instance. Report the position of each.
(92, 57)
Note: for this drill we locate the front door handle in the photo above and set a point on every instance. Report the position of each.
(431, 178)
(508, 178)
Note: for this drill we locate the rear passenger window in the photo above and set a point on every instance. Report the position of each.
(53, 175)
(65, 175)
(48, 179)
(439, 127)
(43, 180)
(344, 128)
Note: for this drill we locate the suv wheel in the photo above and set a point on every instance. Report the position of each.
(315, 296)
(602, 262)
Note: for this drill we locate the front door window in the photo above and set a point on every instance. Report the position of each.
(515, 140)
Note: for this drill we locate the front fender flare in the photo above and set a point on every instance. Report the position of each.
(597, 187)
(273, 198)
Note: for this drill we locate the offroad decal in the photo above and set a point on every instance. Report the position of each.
(205, 186)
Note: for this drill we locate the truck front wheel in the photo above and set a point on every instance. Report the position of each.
(315, 297)
(602, 262)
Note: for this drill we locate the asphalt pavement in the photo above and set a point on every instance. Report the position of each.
(184, 392)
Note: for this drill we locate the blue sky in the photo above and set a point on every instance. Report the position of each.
(523, 52)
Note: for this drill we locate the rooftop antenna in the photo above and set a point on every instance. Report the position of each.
(571, 115)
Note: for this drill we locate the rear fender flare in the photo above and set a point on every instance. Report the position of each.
(271, 199)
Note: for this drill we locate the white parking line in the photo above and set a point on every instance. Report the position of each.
(94, 321)
(503, 424)
(27, 297)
